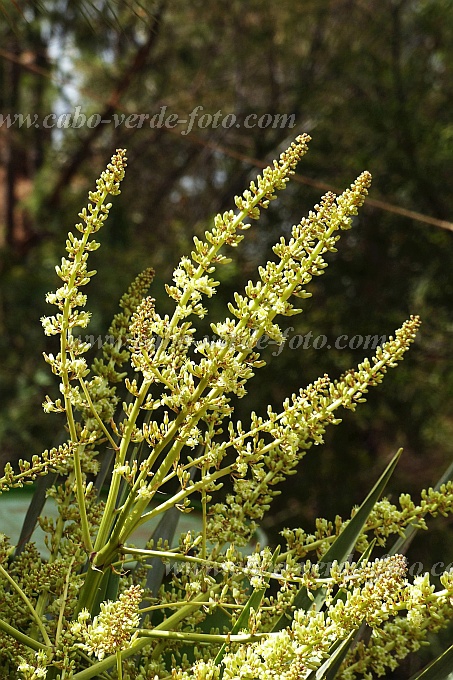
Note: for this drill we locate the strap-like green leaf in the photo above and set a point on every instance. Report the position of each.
(35, 508)
(440, 669)
(254, 602)
(343, 546)
(330, 667)
(165, 530)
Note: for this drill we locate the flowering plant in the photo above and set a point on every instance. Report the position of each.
(100, 607)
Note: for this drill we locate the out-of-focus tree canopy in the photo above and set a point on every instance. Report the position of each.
(371, 81)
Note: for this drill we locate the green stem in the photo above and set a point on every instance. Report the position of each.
(22, 638)
(80, 494)
(129, 516)
(165, 554)
(29, 605)
(266, 480)
(202, 637)
(63, 602)
(96, 415)
(119, 665)
(204, 509)
(110, 507)
(89, 590)
(180, 496)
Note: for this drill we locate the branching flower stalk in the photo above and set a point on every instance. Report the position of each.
(191, 283)
(68, 298)
(28, 604)
(221, 369)
(105, 608)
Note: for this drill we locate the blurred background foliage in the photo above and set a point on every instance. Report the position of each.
(370, 80)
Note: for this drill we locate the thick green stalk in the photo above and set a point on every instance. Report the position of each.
(180, 496)
(94, 575)
(110, 507)
(22, 638)
(127, 513)
(89, 589)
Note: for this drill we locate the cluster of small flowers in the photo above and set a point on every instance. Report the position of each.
(34, 670)
(170, 365)
(184, 381)
(427, 613)
(377, 592)
(113, 629)
(197, 391)
(69, 362)
(54, 459)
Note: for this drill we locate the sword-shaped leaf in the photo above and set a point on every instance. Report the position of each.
(440, 669)
(254, 602)
(344, 544)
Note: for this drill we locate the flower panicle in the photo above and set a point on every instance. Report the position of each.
(229, 362)
(73, 270)
(74, 273)
(191, 276)
(300, 260)
(423, 612)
